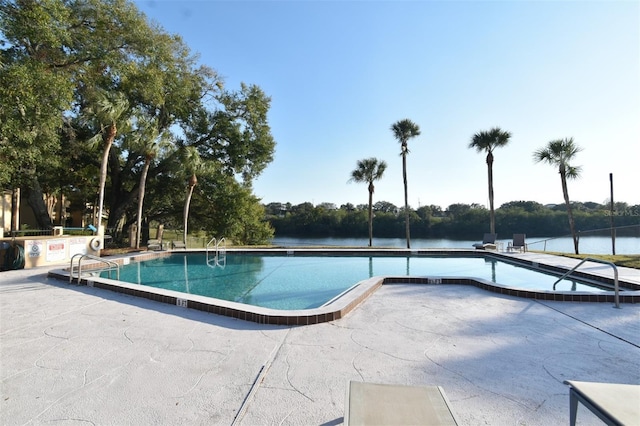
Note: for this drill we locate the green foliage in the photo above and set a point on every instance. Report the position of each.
(226, 208)
(61, 61)
(237, 134)
(385, 207)
(461, 221)
(32, 100)
(527, 206)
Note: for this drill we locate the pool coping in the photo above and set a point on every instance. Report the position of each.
(351, 298)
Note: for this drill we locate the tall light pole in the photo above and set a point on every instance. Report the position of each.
(613, 229)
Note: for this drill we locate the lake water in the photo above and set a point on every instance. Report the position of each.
(587, 245)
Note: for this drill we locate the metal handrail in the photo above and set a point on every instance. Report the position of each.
(606, 262)
(224, 249)
(111, 265)
(221, 254)
(212, 240)
(216, 244)
(71, 266)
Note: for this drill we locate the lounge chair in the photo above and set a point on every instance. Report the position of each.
(154, 245)
(518, 243)
(178, 244)
(613, 403)
(488, 242)
(384, 404)
(157, 243)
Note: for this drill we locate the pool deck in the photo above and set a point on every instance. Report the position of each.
(75, 354)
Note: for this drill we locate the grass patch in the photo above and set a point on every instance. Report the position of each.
(625, 260)
(121, 250)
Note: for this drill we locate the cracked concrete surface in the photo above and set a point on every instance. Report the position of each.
(78, 355)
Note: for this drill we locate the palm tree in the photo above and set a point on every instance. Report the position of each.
(404, 130)
(106, 111)
(369, 170)
(193, 163)
(487, 141)
(559, 153)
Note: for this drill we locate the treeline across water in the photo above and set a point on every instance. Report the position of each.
(458, 221)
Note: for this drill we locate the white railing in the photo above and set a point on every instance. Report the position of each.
(109, 266)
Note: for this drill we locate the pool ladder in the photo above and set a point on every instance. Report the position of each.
(109, 266)
(220, 257)
(616, 287)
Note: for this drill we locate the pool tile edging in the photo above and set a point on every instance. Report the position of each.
(335, 310)
(339, 308)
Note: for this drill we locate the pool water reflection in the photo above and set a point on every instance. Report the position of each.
(309, 281)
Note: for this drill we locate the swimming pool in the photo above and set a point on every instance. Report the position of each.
(349, 299)
(306, 281)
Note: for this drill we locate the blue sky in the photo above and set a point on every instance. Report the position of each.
(340, 73)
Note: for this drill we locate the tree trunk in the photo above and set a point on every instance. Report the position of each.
(61, 209)
(143, 184)
(15, 209)
(35, 199)
(108, 141)
(492, 214)
(116, 196)
(370, 214)
(565, 193)
(186, 212)
(103, 181)
(406, 196)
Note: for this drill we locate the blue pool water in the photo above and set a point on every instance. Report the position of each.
(304, 282)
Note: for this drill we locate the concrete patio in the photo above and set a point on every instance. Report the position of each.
(72, 355)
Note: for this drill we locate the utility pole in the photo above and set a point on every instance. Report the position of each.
(613, 229)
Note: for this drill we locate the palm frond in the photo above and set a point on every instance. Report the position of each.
(488, 140)
(559, 153)
(573, 172)
(95, 141)
(368, 170)
(404, 130)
